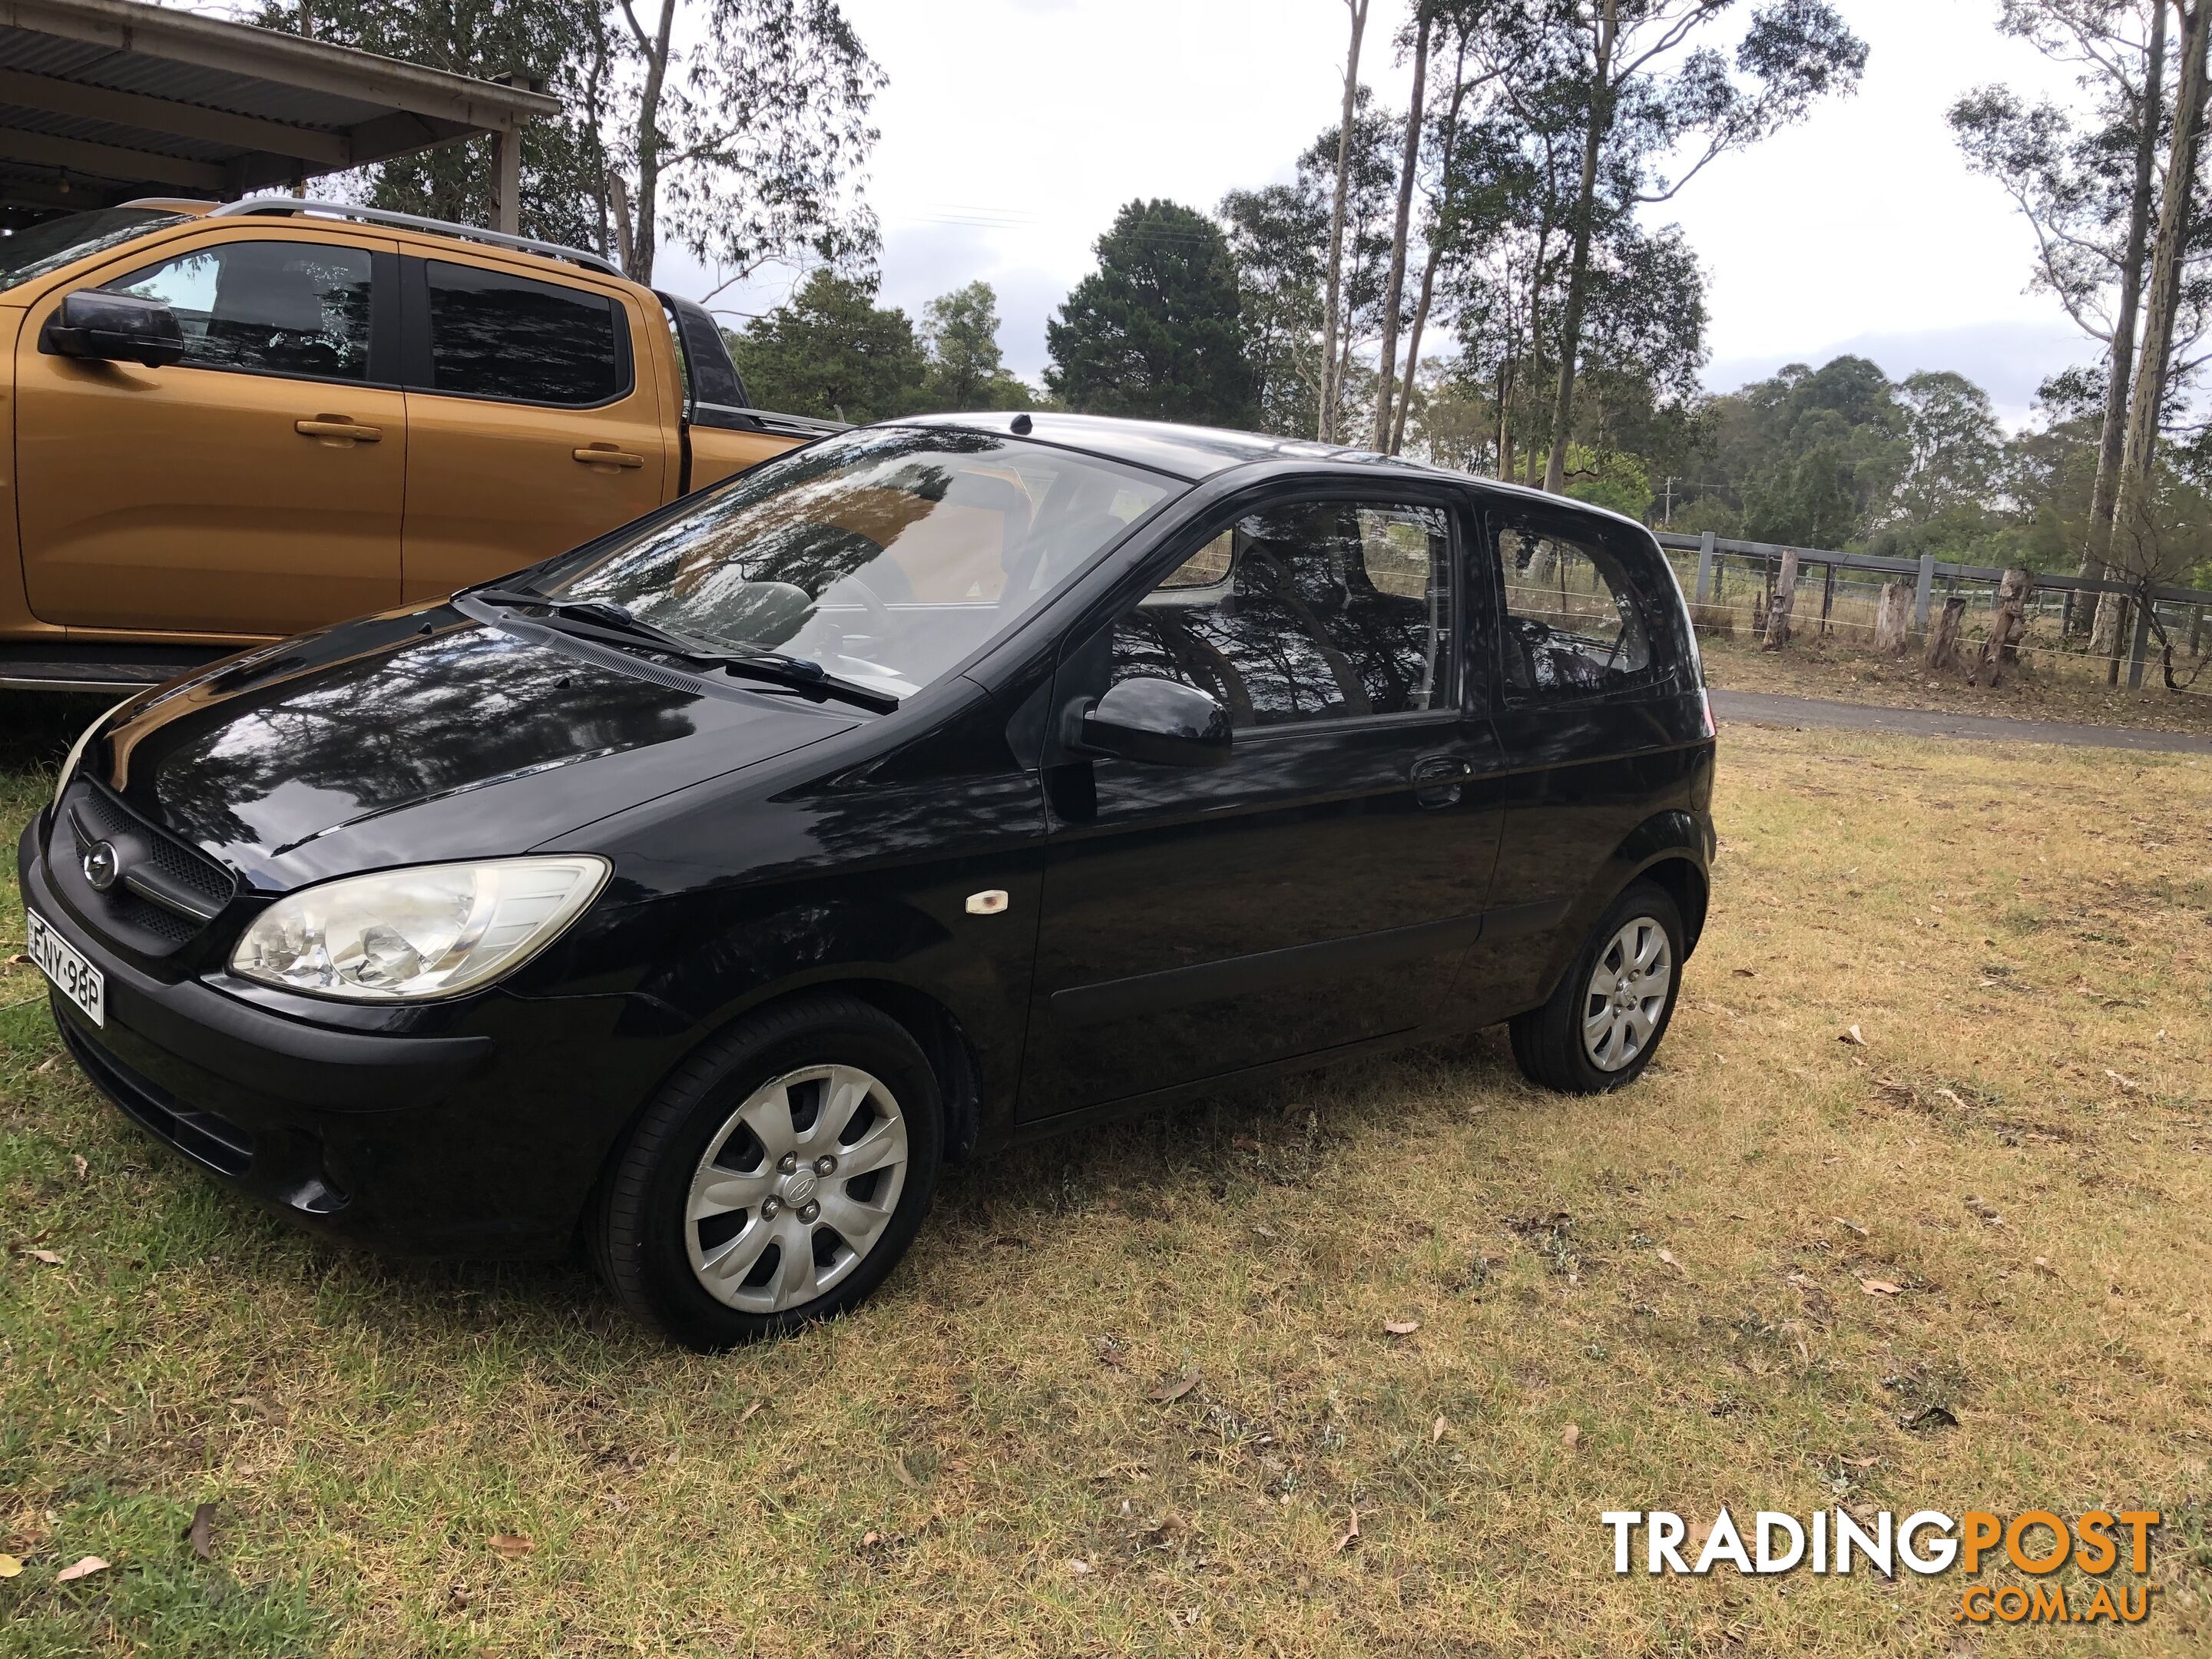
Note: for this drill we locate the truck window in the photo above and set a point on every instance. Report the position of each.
(494, 334)
(293, 308)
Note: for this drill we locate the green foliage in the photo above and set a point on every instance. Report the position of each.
(831, 351)
(960, 330)
(1155, 331)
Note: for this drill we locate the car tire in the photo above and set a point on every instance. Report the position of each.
(703, 1213)
(1605, 1019)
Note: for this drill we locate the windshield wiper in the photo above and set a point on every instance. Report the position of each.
(602, 619)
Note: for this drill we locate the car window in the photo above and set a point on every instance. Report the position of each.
(1311, 610)
(493, 335)
(1572, 625)
(298, 308)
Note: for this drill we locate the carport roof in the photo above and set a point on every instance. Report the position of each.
(102, 100)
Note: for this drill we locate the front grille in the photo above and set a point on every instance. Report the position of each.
(202, 1136)
(168, 890)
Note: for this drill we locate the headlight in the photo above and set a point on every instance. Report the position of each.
(435, 930)
(76, 754)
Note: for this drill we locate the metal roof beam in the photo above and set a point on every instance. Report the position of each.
(108, 161)
(134, 109)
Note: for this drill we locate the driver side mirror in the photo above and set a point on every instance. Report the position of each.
(1158, 722)
(94, 326)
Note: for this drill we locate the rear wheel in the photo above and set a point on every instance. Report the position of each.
(1604, 1020)
(778, 1178)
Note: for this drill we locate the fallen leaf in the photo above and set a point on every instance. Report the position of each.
(1079, 1566)
(907, 1477)
(201, 1532)
(1352, 1535)
(1848, 1226)
(9, 1566)
(1572, 1437)
(1436, 1430)
(1244, 1143)
(83, 1169)
(19, 960)
(1174, 1388)
(2043, 1265)
(1744, 973)
(745, 1416)
(1402, 1327)
(511, 1545)
(83, 1567)
(1952, 1096)
(1930, 1416)
(2126, 1083)
(1880, 1287)
(1853, 1037)
(1667, 1256)
(870, 1539)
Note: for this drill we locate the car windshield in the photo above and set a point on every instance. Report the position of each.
(887, 556)
(54, 243)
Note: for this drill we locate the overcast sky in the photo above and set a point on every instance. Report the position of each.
(1012, 129)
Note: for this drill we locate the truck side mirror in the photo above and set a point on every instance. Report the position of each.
(95, 325)
(1158, 722)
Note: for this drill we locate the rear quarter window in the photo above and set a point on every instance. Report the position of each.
(496, 335)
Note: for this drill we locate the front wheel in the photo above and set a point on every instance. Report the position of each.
(1603, 1023)
(777, 1179)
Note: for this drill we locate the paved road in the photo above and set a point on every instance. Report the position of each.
(1760, 708)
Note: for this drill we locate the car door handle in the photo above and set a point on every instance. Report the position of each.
(1437, 779)
(594, 456)
(337, 427)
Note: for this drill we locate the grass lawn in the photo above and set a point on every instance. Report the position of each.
(982, 1461)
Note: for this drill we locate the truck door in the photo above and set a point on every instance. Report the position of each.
(535, 421)
(254, 487)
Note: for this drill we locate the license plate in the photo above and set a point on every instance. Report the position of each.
(73, 976)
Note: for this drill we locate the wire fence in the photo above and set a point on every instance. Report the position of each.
(1839, 597)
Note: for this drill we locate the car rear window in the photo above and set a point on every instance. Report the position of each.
(493, 335)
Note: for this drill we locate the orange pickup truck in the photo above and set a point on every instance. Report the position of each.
(234, 422)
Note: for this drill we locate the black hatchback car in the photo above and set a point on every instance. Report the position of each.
(938, 786)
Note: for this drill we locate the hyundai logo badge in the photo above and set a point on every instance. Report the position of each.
(101, 867)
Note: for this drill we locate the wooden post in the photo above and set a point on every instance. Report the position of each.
(1892, 618)
(2142, 644)
(2195, 630)
(2007, 622)
(1779, 607)
(1827, 595)
(1924, 592)
(1943, 650)
(507, 180)
(1706, 565)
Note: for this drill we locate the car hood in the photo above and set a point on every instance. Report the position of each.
(414, 738)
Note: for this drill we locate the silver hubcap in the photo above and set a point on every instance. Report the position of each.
(795, 1189)
(1627, 993)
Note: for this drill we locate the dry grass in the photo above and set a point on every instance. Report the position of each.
(2003, 925)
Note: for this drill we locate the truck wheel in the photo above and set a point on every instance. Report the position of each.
(778, 1177)
(1605, 1019)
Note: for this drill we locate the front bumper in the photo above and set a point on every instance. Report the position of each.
(483, 1141)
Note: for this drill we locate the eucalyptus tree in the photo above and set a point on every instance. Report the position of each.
(1653, 103)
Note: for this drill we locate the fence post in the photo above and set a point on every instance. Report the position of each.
(2142, 644)
(1924, 592)
(1705, 564)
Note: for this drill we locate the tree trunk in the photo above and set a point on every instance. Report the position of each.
(1448, 148)
(1785, 600)
(1394, 292)
(2118, 381)
(1571, 324)
(625, 238)
(1943, 638)
(1325, 430)
(646, 233)
(2132, 548)
(1892, 618)
(2007, 622)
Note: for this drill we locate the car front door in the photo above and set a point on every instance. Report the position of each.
(535, 424)
(252, 487)
(1320, 887)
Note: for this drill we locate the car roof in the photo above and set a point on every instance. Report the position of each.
(1194, 453)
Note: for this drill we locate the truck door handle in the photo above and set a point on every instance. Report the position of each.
(609, 456)
(337, 428)
(1437, 779)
